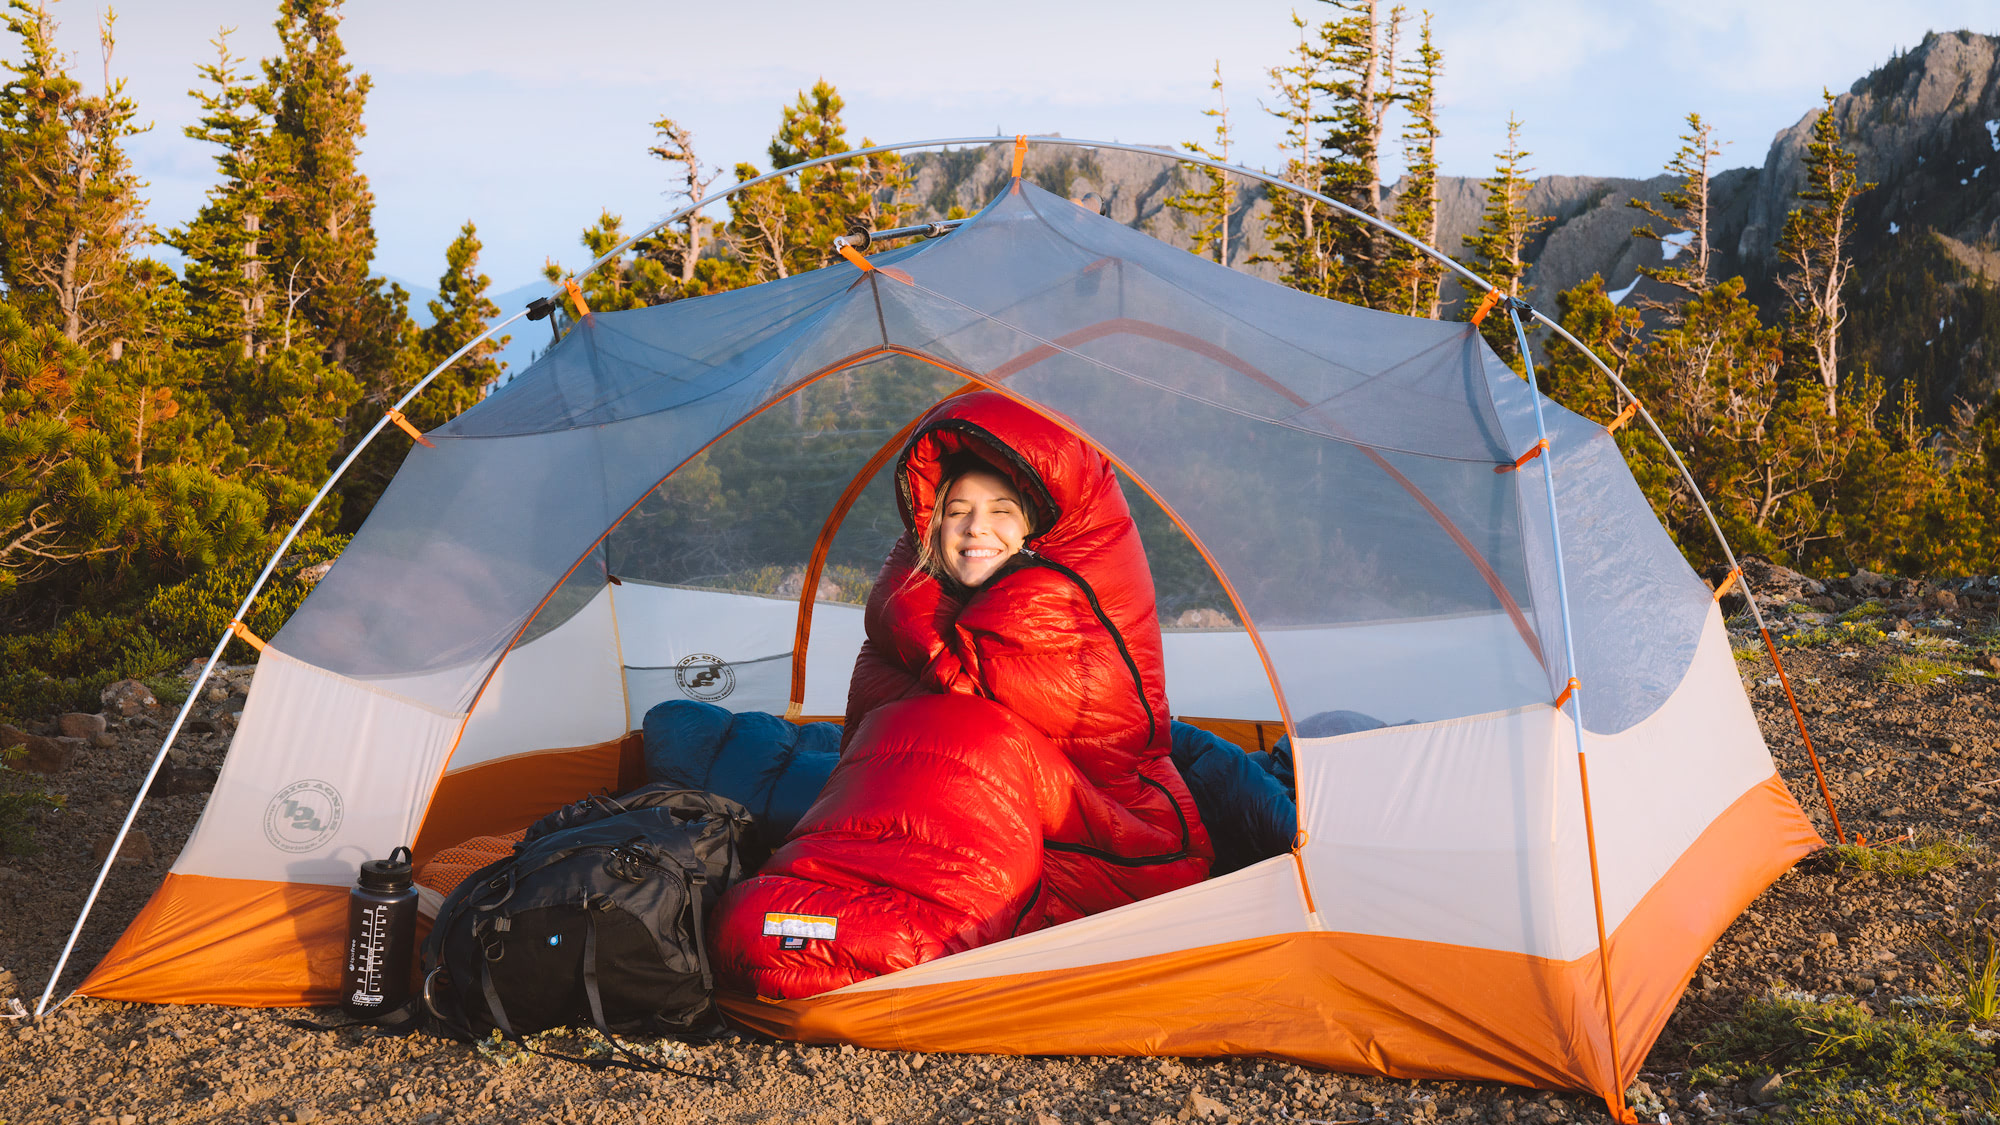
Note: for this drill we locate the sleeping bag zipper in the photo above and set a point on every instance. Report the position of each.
(1152, 724)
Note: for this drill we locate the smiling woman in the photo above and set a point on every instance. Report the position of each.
(980, 524)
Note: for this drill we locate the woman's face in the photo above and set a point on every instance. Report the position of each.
(981, 525)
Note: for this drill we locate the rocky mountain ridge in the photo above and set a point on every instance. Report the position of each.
(1924, 127)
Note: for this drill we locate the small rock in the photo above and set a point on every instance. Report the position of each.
(1990, 662)
(128, 698)
(76, 724)
(215, 694)
(1827, 937)
(1200, 1105)
(104, 740)
(1943, 600)
(1766, 1089)
(1046, 1119)
(138, 848)
(1861, 984)
(9, 875)
(1204, 618)
(7, 986)
(311, 575)
(1709, 983)
(177, 781)
(44, 755)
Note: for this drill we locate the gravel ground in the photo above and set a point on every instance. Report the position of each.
(1918, 758)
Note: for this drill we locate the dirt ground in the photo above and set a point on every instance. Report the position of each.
(1917, 758)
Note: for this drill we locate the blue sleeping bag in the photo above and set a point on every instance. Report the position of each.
(769, 766)
(776, 770)
(1250, 814)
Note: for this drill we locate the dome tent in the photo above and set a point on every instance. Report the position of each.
(1356, 487)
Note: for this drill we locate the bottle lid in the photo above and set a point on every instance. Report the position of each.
(392, 874)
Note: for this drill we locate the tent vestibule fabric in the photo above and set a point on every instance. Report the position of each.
(1324, 498)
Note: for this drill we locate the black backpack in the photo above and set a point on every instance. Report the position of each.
(597, 917)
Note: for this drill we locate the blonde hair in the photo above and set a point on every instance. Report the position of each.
(930, 552)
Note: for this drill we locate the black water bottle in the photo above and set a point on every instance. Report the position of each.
(381, 931)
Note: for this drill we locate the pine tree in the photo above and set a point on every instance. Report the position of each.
(1209, 205)
(1689, 218)
(458, 315)
(1814, 244)
(1298, 225)
(1358, 85)
(70, 211)
(680, 251)
(779, 230)
(320, 222)
(226, 281)
(1499, 249)
(1416, 279)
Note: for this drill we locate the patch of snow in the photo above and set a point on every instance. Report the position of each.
(1993, 131)
(1976, 171)
(1963, 181)
(1673, 244)
(1920, 160)
(1941, 324)
(1893, 228)
(1618, 295)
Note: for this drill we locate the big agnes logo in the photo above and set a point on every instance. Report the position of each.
(704, 677)
(304, 815)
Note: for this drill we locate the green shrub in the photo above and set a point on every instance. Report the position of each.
(22, 796)
(1842, 1063)
(1915, 669)
(1903, 860)
(67, 667)
(1867, 609)
(1845, 633)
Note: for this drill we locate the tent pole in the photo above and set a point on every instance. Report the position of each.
(1714, 525)
(1574, 696)
(242, 610)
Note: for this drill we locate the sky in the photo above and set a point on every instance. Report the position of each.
(529, 118)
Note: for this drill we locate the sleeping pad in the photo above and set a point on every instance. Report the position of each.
(1065, 639)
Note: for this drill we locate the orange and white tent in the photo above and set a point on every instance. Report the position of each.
(1340, 495)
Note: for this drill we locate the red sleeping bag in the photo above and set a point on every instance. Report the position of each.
(1084, 810)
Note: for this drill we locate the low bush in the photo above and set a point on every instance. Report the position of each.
(66, 668)
(1841, 1063)
(1905, 860)
(1915, 668)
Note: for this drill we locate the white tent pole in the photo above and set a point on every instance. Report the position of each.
(242, 610)
(1574, 694)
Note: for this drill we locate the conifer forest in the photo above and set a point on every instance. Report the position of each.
(162, 427)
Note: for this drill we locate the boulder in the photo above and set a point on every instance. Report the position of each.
(138, 848)
(44, 755)
(177, 781)
(76, 724)
(127, 698)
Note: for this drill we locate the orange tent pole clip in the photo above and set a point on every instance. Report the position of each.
(576, 294)
(1568, 691)
(1728, 580)
(244, 634)
(1540, 448)
(1630, 412)
(851, 254)
(1486, 306)
(397, 417)
(1020, 152)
